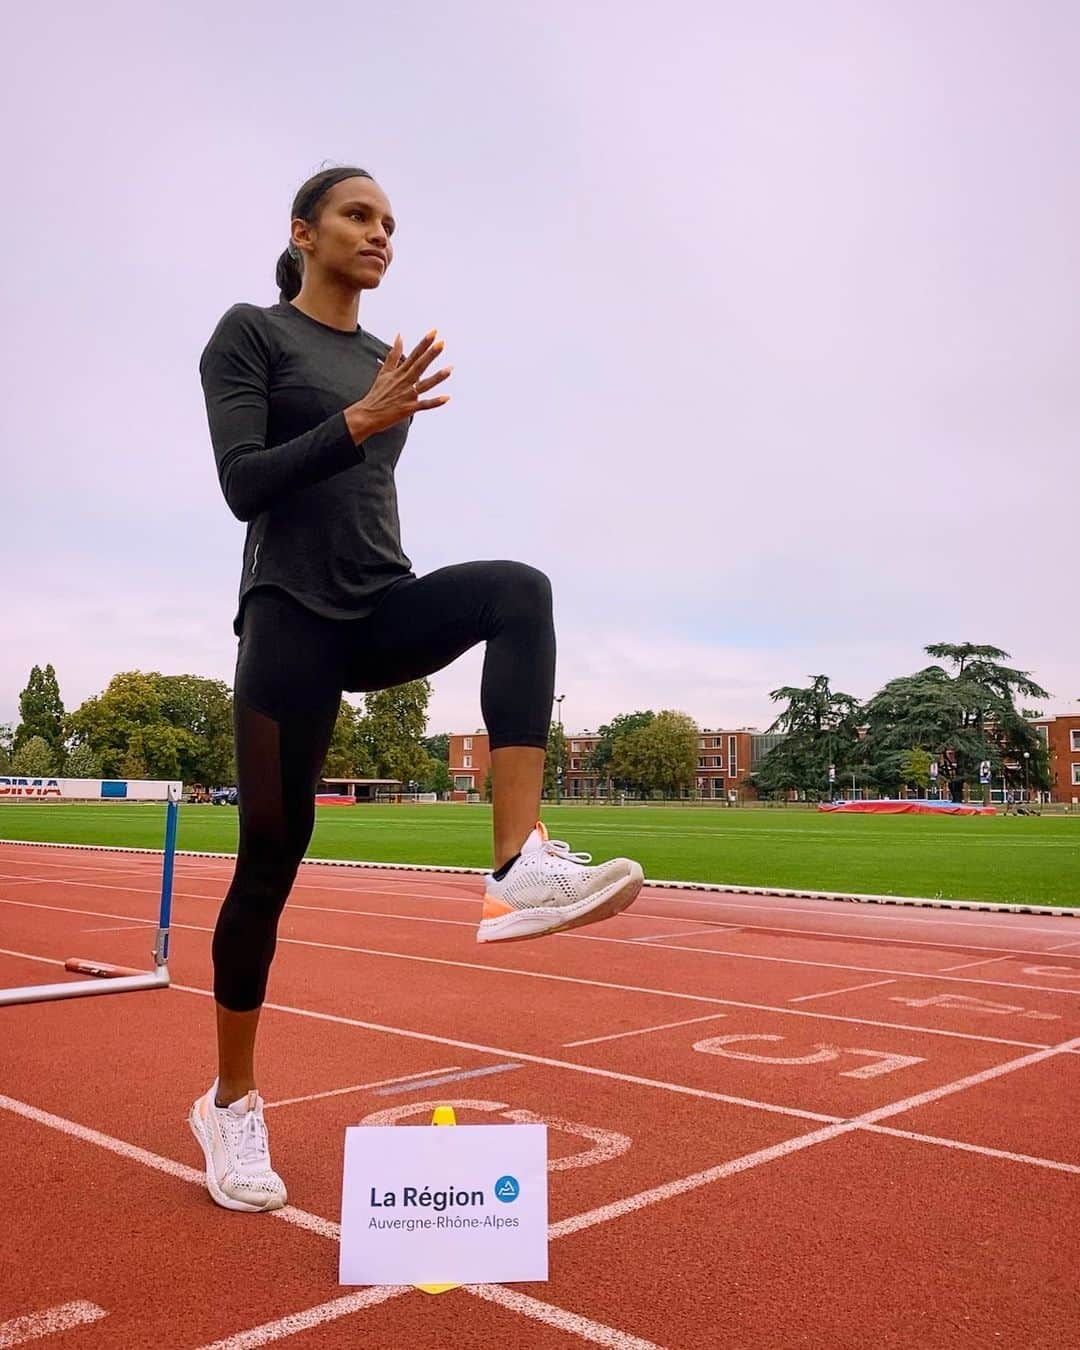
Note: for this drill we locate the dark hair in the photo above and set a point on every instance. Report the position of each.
(290, 267)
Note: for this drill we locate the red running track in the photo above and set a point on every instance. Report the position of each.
(773, 1123)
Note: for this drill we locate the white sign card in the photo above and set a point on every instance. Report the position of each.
(464, 1205)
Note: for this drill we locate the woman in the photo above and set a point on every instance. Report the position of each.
(308, 416)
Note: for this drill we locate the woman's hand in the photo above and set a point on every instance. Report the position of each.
(398, 389)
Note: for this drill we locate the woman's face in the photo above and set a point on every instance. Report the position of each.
(351, 239)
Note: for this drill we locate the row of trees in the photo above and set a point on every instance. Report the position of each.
(149, 725)
(959, 712)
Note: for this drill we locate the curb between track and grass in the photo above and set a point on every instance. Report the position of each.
(784, 892)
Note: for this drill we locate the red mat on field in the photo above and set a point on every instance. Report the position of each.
(911, 808)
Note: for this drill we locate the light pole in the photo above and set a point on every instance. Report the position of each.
(558, 768)
(1027, 761)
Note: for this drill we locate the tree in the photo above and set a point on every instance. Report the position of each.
(961, 719)
(389, 731)
(126, 728)
(554, 760)
(81, 762)
(438, 746)
(41, 714)
(7, 736)
(438, 779)
(344, 758)
(34, 758)
(203, 708)
(820, 727)
(915, 769)
(659, 755)
(598, 761)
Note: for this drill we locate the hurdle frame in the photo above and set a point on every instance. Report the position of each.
(158, 976)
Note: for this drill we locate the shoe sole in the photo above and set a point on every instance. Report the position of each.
(520, 925)
(217, 1194)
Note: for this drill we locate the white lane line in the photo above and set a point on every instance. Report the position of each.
(970, 965)
(605, 1213)
(290, 1214)
(590, 1070)
(484, 1072)
(642, 1031)
(848, 989)
(131, 926)
(359, 1087)
(622, 942)
(63, 1317)
(1061, 947)
(661, 993)
(408, 891)
(572, 1323)
(295, 1323)
(982, 1149)
(655, 937)
(658, 946)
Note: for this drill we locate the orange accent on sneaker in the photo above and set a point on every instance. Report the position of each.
(495, 908)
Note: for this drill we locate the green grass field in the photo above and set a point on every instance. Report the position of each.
(1030, 860)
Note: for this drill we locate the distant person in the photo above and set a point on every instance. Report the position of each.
(308, 416)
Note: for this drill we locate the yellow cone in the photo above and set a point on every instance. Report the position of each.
(443, 1115)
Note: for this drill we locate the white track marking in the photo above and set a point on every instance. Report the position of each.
(1052, 972)
(294, 1323)
(982, 1149)
(848, 989)
(965, 1003)
(727, 955)
(822, 1054)
(970, 965)
(642, 1031)
(605, 1213)
(655, 937)
(408, 891)
(630, 1204)
(1061, 946)
(607, 1144)
(532, 974)
(360, 1087)
(33, 1326)
(741, 899)
(290, 1214)
(571, 1323)
(674, 994)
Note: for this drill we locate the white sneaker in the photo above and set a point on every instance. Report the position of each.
(233, 1140)
(549, 889)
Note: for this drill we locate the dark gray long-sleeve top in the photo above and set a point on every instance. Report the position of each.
(321, 512)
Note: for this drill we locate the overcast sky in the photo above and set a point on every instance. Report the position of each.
(763, 319)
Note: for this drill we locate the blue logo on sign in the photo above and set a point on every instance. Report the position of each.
(507, 1189)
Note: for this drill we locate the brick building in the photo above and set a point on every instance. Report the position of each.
(470, 760)
(724, 760)
(1061, 736)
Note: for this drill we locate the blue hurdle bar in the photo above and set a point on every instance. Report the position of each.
(103, 982)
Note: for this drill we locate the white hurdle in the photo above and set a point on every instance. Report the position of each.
(106, 978)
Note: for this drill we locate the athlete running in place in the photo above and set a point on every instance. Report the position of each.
(308, 416)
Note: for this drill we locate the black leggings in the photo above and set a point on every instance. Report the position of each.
(292, 668)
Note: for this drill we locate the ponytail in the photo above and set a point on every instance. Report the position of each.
(290, 273)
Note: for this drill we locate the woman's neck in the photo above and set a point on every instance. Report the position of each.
(336, 307)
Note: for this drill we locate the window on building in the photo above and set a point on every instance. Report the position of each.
(1076, 775)
(1041, 732)
(575, 746)
(1074, 742)
(468, 743)
(733, 757)
(467, 762)
(463, 782)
